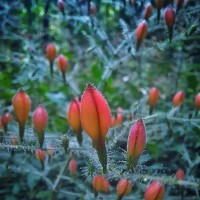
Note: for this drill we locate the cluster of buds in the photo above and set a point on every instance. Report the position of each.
(123, 188)
(100, 184)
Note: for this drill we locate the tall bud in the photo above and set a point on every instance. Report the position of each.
(141, 33)
(123, 188)
(40, 119)
(96, 120)
(73, 116)
(147, 11)
(155, 191)
(136, 143)
(51, 54)
(5, 119)
(22, 105)
(178, 98)
(170, 21)
(61, 6)
(153, 98)
(159, 5)
(72, 167)
(62, 64)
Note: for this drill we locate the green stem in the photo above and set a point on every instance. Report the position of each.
(21, 132)
(51, 68)
(41, 138)
(79, 138)
(150, 110)
(131, 162)
(119, 197)
(170, 33)
(5, 128)
(64, 78)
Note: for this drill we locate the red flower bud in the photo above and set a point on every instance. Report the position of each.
(73, 167)
(197, 101)
(141, 33)
(93, 9)
(180, 174)
(74, 118)
(136, 143)
(123, 187)
(5, 119)
(170, 16)
(51, 52)
(147, 11)
(178, 4)
(178, 98)
(22, 105)
(100, 184)
(115, 121)
(96, 120)
(40, 154)
(153, 96)
(60, 5)
(40, 119)
(62, 63)
(155, 191)
(159, 3)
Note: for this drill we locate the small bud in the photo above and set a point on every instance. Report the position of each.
(5, 119)
(74, 120)
(115, 121)
(197, 101)
(96, 120)
(100, 184)
(51, 52)
(147, 11)
(180, 174)
(62, 63)
(60, 5)
(123, 188)
(40, 155)
(155, 191)
(22, 105)
(73, 167)
(65, 143)
(136, 143)
(153, 96)
(93, 9)
(178, 98)
(40, 119)
(141, 33)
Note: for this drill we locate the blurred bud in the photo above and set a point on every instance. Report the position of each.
(40, 155)
(100, 184)
(141, 33)
(147, 11)
(60, 5)
(5, 119)
(197, 101)
(178, 4)
(155, 191)
(93, 9)
(153, 96)
(73, 167)
(1, 125)
(186, 2)
(180, 174)
(136, 143)
(170, 16)
(51, 52)
(65, 143)
(40, 119)
(96, 120)
(14, 140)
(159, 5)
(115, 121)
(22, 105)
(123, 187)
(49, 152)
(178, 98)
(73, 116)
(62, 63)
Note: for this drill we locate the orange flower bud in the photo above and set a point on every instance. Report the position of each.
(123, 187)
(22, 105)
(136, 143)
(51, 52)
(115, 121)
(96, 120)
(153, 96)
(40, 119)
(5, 119)
(60, 5)
(100, 184)
(141, 33)
(178, 98)
(62, 63)
(73, 167)
(40, 154)
(155, 191)
(197, 101)
(147, 11)
(180, 174)
(74, 118)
